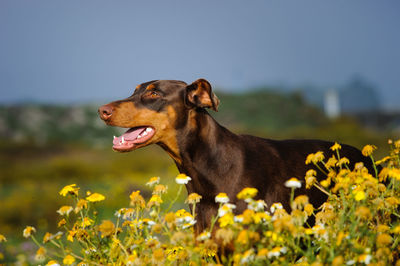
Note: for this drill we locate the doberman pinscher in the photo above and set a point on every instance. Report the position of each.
(172, 114)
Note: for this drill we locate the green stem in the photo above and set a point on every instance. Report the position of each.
(325, 173)
(214, 220)
(322, 189)
(291, 196)
(176, 198)
(373, 164)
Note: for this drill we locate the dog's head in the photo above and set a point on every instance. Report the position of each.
(155, 111)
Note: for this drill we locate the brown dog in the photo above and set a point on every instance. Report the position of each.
(172, 114)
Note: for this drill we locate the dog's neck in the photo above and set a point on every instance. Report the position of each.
(205, 153)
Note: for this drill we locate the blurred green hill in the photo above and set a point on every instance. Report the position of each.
(262, 112)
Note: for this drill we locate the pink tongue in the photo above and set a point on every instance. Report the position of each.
(131, 134)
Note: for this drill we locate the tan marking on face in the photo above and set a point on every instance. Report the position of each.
(138, 86)
(150, 87)
(127, 115)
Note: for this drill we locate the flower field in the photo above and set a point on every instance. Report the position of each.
(359, 224)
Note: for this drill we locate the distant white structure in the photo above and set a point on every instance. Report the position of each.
(331, 104)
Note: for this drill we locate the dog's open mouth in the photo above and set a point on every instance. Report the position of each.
(132, 138)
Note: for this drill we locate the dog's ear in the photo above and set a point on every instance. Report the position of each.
(200, 94)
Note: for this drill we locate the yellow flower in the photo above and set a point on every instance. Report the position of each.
(155, 200)
(182, 179)
(308, 231)
(158, 255)
(359, 195)
(293, 183)
(315, 157)
(159, 189)
(247, 257)
(221, 198)
(82, 204)
(227, 207)
(243, 237)
(383, 239)
(309, 158)
(368, 150)
(261, 217)
(262, 253)
(338, 261)
(299, 202)
(395, 230)
(336, 147)
(238, 218)
(70, 236)
(382, 228)
(326, 183)
(248, 216)
(276, 206)
(341, 235)
(70, 189)
(310, 178)
(28, 231)
(130, 260)
(106, 228)
(182, 216)
(343, 161)
(173, 252)
(137, 199)
(40, 254)
(153, 181)
(203, 236)
(170, 217)
(207, 252)
(62, 222)
(95, 197)
(276, 251)
(247, 193)
(52, 263)
(331, 162)
(394, 173)
(226, 220)
(309, 209)
(2, 238)
(384, 173)
(382, 160)
(68, 260)
(318, 157)
(87, 222)
(392, 201)
(224, 235)
(65, 210)
(363, 212)
(193, 198)
(365, 258)
(47, 237)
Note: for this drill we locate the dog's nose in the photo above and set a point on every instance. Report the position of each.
(106, 111)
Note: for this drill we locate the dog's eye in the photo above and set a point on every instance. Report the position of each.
(154, 94)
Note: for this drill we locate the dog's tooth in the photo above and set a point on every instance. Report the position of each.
(149, 129)
(115, 137)
(123, 140)
(139, 136)
(144, 133)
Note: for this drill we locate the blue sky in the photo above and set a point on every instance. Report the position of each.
(92, 50)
